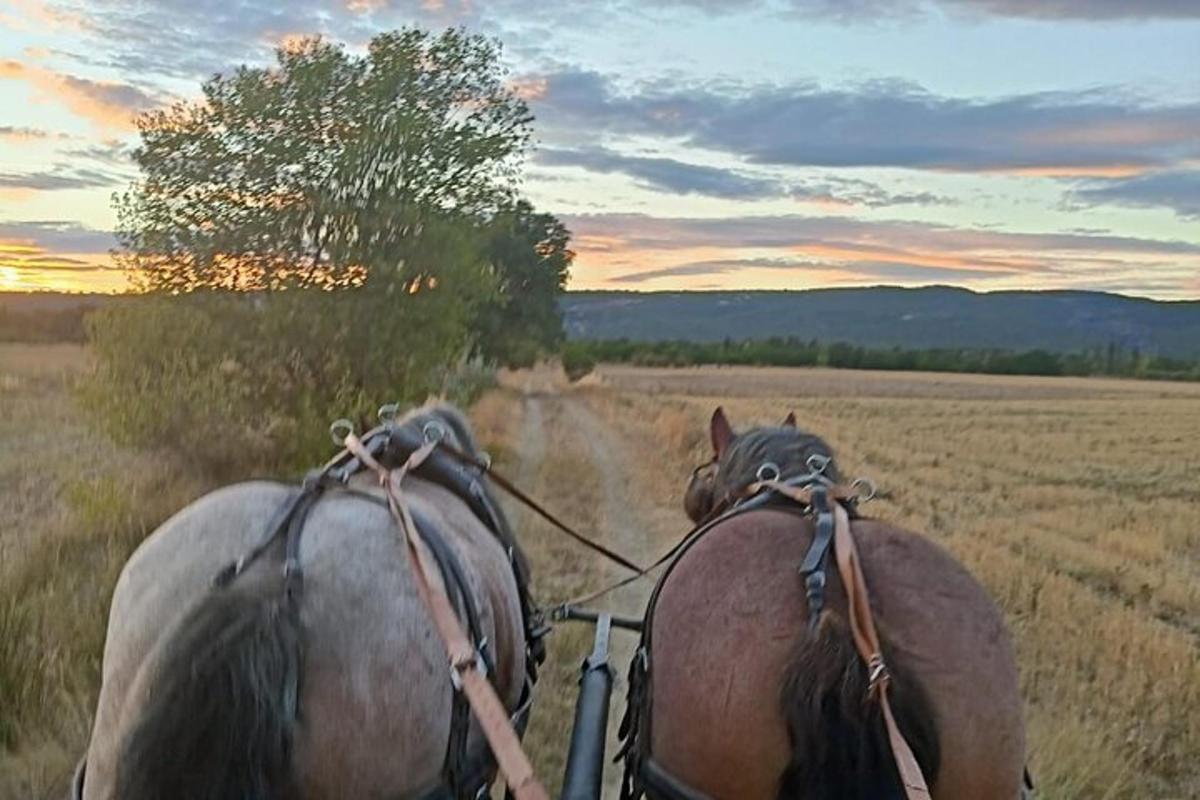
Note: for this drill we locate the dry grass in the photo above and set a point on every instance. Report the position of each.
(1074, 501)
(72, 508)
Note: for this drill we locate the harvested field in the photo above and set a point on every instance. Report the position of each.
(1076, 502)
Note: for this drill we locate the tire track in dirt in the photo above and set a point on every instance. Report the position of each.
(625, 525)
(572, 453)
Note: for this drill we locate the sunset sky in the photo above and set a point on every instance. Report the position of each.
(696, 144)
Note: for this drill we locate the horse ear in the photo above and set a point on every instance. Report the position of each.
(720, 431)
(790, 421)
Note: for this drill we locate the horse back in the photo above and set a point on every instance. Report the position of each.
(375, 687)
(729, 616)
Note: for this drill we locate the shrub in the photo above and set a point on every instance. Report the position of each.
(577, 362)
(238, 383)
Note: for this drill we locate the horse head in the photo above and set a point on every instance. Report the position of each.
(741, 459)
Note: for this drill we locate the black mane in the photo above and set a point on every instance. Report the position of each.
(785, 447)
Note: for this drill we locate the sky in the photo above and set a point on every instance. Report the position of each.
(701, 144)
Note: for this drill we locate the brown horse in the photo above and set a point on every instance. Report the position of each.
(736, 697)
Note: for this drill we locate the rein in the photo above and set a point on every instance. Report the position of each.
(533, 505)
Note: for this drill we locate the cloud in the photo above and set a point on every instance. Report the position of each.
(111, 152)
(790, 250)
(1178, 191)
(859, 269)
(881, 124)
(58, 177)
(642, 231)
(666, 174)
(1081, 9)
(21, 133)
(59, 255)
(850, 11)
(677, 177)
(107, 105)
(39, 237)
(836, 192)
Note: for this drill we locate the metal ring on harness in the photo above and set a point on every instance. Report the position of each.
(388, 412)
(339, 429)
(859, 483)
(769, 471)
(433, 431)
(817, 462)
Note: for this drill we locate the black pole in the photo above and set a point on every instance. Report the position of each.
(567, 612)
(584, 774)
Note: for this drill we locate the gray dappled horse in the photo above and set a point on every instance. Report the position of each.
(333, 686)
(734, 696)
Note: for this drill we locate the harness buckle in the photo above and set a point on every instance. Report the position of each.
(479, 664)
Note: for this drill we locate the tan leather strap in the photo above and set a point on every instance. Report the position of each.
(801, 494)
(489, 711)
(866, 640)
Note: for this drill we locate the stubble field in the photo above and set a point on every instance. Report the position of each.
(1076, 502)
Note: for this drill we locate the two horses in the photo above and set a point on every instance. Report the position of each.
(267, 685)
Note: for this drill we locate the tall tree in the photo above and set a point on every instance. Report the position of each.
(530, 260)
(327, 169)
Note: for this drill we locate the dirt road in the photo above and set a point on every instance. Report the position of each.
(575, 455)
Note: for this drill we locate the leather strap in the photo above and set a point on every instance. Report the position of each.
(866, 640)
(537, 508)
(813, 566)
(464, 659)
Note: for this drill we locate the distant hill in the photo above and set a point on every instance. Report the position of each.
(939, 316)
(880, 316)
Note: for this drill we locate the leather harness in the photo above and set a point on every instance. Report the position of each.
(831, 505)
(465, 775)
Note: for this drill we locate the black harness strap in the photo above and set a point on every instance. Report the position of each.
(813, 566)
(642, 774)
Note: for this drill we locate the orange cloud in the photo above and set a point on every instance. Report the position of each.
(1124, 133)
(1075, 171)
(34, 14)
(529, 89)
(107, 105)
(639, 252)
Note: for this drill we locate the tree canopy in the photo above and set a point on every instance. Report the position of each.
(343, 231)
(530, 257)
(326, 170)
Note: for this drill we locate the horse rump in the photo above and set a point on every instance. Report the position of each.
(840, 747)
(221, 708)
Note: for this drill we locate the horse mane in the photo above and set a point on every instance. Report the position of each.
(786, 447)
(457, 423)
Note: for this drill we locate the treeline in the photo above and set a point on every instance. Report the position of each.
(1112, 360)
